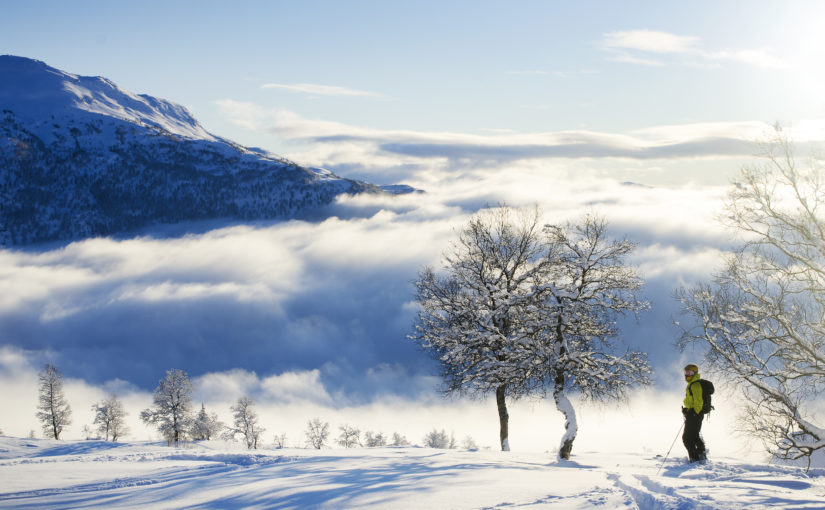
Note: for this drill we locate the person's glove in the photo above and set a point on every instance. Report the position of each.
(685, 411)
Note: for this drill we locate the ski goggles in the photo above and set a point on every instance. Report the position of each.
(690, 373)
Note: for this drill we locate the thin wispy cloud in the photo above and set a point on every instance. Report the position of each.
(651, 41)
(557, 73)
(656, 48)
(322, 90)
(633, 59)
(666, 142)
(538, 72)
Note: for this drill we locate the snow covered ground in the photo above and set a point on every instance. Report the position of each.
(39, 473)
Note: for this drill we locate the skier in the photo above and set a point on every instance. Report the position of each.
(692, 410)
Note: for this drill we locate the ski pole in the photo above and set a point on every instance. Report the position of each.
(671, 447)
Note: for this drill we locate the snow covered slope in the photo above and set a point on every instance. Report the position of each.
(95, 474)
(80, 157)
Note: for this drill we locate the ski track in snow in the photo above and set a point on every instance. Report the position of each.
(87, 474)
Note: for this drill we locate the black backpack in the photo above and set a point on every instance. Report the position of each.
(707, 391)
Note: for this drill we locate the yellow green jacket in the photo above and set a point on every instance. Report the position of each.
(693, 396)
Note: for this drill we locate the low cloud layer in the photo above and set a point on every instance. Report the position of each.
(333, 297)
(337, 144)
(313, 317)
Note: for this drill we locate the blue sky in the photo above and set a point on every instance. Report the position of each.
(467, 67)
(640, 111)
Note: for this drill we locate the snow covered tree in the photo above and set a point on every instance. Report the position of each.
(590, 286)
(110, 418)
(172, 406)
(374, 439)
(246, 422)
(762, 318)
(350, 436)
(280, 440)
(439, 439)
(317, 433)
(399, 440)
(54, 410)
(206, 425)
(86, 432)
(469, 444)
(471, 319)
(525, 310)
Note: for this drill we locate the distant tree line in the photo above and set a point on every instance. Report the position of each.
(172, 414)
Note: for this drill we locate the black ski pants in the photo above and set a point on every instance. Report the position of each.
(692, 436)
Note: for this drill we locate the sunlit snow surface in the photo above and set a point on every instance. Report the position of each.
(36, 91)
(86, 474)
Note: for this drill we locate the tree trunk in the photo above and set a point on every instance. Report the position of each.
(175, 431)
(571, 427)
(503, 418)
(55, 427)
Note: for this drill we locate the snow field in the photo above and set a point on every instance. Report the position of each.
(38, 473)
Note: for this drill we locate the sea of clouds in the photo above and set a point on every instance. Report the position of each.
(310, 318)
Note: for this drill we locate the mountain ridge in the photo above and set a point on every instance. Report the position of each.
(80, 157)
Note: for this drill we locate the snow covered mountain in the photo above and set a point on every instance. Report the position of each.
(80, 157)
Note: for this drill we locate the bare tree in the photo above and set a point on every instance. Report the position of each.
(206, 425)
(591, 284)
(172, 409)
(350, 436)
(110, 418)
(246, 422)
(54, 410)
(763, 316)
(471, 319)
(317, 433)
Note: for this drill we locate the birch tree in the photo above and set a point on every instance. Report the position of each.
(762, 318)
(590, 286)
(472, 315)
(399, 440)
(374, 439)
(317, 433)
(110, 418)
(439, 439)
(280, 440)
(54, 411)
(524, 309)
(350, 436)
(246, 422)
(172, 406)
(206, 425)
